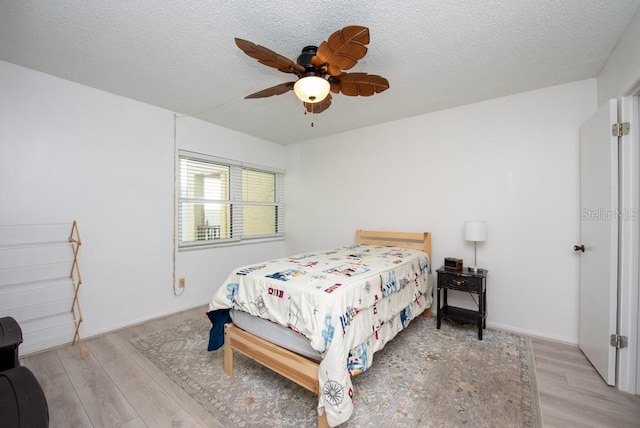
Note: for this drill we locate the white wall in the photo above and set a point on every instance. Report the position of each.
(69, 152)
(512, 161)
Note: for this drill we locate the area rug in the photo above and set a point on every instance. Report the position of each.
(423, 378)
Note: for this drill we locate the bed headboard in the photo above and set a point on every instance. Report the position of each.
(418, 240)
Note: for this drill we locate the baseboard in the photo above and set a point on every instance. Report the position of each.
(532, 334)
(26, 350)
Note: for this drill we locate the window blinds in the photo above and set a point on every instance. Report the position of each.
(221, 200)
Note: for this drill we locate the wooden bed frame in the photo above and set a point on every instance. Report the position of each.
(297, 368)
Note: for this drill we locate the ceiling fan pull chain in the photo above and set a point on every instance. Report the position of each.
(312, 114)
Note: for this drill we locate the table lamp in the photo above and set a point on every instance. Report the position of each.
(475, 231)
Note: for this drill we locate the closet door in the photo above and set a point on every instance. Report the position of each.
(599, 240)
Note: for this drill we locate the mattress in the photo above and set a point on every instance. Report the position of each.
(275, 333)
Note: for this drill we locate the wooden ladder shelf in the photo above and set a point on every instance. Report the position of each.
(76, 279)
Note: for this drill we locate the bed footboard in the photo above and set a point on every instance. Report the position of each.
(294, 367)
(300, 370)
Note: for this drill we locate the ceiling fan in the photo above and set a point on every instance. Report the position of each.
(320, 69)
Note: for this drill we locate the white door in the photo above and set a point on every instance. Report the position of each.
(599, 240)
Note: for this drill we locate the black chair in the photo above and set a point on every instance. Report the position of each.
(10, 339)
(22, 401)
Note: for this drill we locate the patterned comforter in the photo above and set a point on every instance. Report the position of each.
(348, 302)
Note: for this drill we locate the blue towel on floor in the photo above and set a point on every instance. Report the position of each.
(218, 319)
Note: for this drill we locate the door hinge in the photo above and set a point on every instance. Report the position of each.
(620, 129)
(618, 341)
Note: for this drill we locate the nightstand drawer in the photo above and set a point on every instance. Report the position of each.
(458, 282)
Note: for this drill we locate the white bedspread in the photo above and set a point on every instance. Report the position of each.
(349, 302)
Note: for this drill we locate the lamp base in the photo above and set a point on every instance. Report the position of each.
(475, 269)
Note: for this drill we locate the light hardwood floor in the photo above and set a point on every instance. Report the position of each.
(115, 386)
(572, 393)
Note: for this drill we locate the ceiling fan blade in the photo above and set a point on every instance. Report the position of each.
(363, 84)
(334, 85)
(268, 57)
(274, 90)
(318, 107)
(342, 50)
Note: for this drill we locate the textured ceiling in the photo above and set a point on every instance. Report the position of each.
(436, 54)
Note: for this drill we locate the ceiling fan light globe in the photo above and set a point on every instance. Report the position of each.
(311, 89)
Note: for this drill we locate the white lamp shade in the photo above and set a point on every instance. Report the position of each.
(311, 89)
(475, 230)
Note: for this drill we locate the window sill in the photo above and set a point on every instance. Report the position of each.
(207, 245)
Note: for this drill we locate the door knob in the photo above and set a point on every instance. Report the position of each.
(578, 248)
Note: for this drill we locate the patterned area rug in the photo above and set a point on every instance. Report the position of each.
(423, 378)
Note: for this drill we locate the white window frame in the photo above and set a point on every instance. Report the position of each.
(235, 201)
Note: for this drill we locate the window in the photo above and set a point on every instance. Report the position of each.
(220, 200)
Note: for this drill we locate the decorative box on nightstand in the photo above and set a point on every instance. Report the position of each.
(466, 281)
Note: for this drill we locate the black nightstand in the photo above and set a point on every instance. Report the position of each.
(469, 282)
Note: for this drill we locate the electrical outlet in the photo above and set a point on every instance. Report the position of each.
(181, 282)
